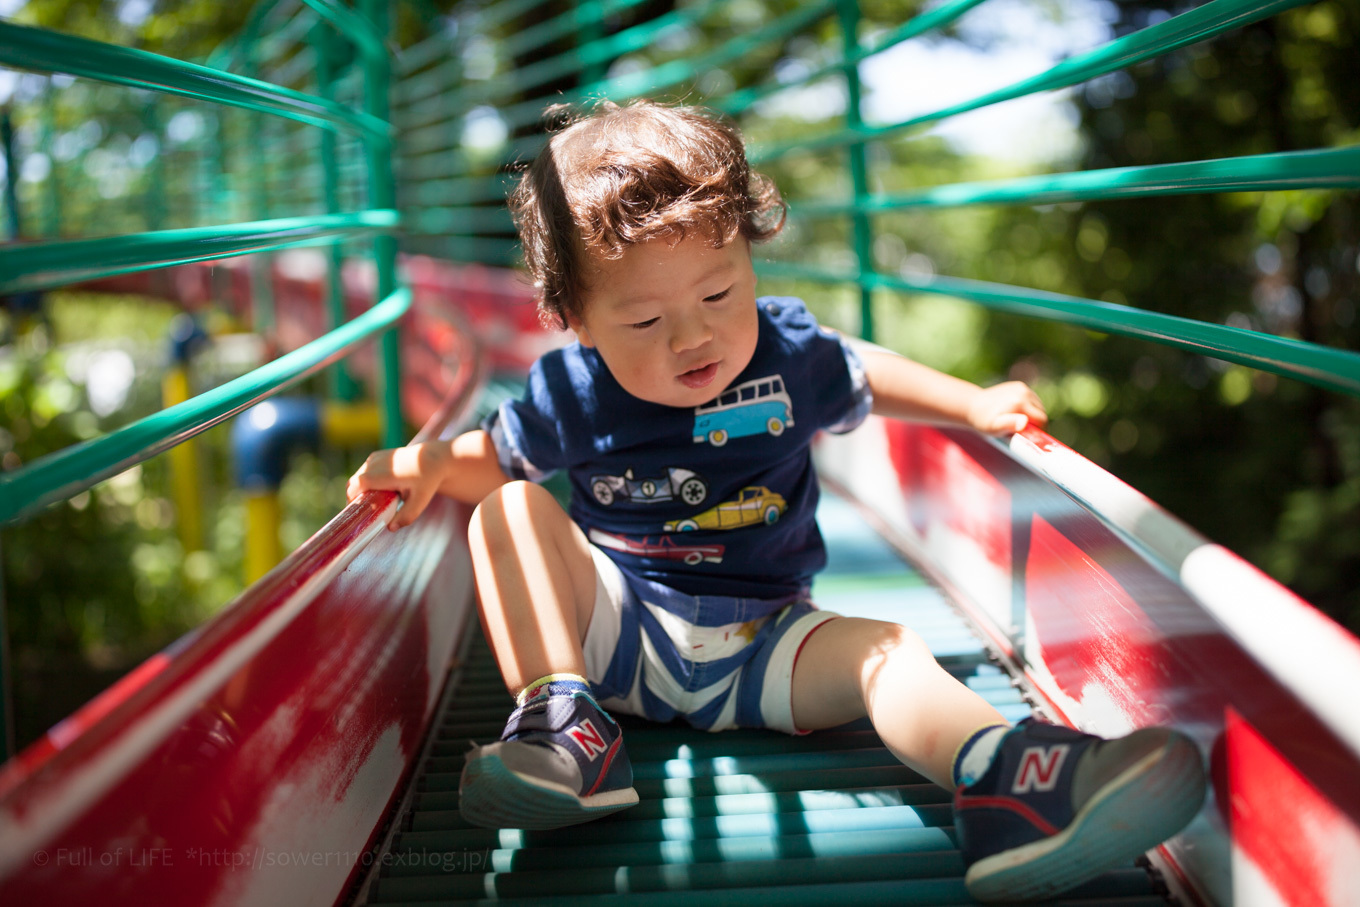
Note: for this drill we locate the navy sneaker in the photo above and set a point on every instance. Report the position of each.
(1058, 807)
(560, 761)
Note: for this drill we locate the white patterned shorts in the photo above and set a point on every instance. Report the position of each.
(718, 662)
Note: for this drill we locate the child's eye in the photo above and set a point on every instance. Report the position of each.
(644, 324)
(718, 297)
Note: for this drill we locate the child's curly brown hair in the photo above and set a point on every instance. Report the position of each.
(617, 176)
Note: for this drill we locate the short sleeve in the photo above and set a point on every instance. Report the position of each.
(861, 401)
(525, 432)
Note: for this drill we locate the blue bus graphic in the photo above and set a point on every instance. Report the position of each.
(750, 408)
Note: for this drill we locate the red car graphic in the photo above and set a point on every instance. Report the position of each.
(664, 546)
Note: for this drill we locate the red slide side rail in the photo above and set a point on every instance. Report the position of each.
(255, 760)
(1116, 615)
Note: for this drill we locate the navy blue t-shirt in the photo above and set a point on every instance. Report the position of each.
(717, 499)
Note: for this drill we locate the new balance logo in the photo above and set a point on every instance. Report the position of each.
(1039, 768)
(588, 739)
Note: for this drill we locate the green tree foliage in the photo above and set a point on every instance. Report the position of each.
(184, 29)
(1265, 466)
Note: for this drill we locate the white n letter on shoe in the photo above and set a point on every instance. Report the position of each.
(588, 739)
(1039, 768)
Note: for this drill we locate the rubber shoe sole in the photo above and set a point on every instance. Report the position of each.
(495, 796)
(1137, 810)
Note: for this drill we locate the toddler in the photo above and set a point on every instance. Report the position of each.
(678, 584)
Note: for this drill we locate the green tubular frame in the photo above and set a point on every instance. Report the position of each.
(58, 476)
(53, 263)
(43, 51)
(1331, 168)
(461, 204)
(47, 265)
(1199, 24)
(1336, 370)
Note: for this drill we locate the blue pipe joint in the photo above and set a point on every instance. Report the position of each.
(264, 436)
(186, 337)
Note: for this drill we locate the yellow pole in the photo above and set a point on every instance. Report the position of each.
(184, 469)
(351, 424)
(263, 550)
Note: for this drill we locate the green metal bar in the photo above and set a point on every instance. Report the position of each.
(293, 72)
(643, 853)
(1201, 23)
(584, 19)
(440, 46)
(942, 15)
(226, 55)
(675, 72)
(488, 249)
(464, 190)
(382, 190)
(60, 475)
(343, 387)
(436, 107)
(432, 83)
(1333, 369)
(503, 12)
(588, 22)
(1330, 168)
(262, 311)
(418, 168)
(848, 15)
(155, 196)
(212, 162)
(7, 746)
(52, 185)
(44, 51)
(352, 26)
(43, 265)
(480, 21)
(443, 135)
(627, 41)
(755, 875)
(421, 54)
(460, 220)
(12, 223)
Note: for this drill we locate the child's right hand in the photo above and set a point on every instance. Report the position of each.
(415, 472)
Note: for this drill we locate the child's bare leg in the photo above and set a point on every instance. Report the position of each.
(536, 581)
(560, 759)
(852, 667)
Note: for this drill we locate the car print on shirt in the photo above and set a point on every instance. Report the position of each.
(750, 408)
(663, 547)
(677, 484)
(753, 505)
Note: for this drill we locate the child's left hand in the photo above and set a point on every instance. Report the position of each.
(1007, 407)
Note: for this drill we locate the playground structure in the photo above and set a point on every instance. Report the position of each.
(295, 721)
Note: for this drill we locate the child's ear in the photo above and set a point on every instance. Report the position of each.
(579, 329)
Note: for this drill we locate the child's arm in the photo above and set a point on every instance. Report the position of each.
(904, 389)
(465, 469)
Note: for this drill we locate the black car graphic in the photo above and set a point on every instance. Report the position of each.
(678, 484)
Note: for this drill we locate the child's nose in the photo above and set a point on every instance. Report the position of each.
(690, 333)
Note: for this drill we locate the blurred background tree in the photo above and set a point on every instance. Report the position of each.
(1267, 467)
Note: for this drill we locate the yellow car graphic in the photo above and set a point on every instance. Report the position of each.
(754, 504)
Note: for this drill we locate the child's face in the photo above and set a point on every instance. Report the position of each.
(675, 323)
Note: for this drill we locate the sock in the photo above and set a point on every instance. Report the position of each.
(975, 755)
(553, 685)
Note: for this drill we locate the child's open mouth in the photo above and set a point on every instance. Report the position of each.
(700, 377)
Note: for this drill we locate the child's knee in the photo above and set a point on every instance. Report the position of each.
(514, 508)
(899, 648)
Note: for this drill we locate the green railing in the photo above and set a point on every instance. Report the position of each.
(57, 262)
(453, 202)
(305, 91)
